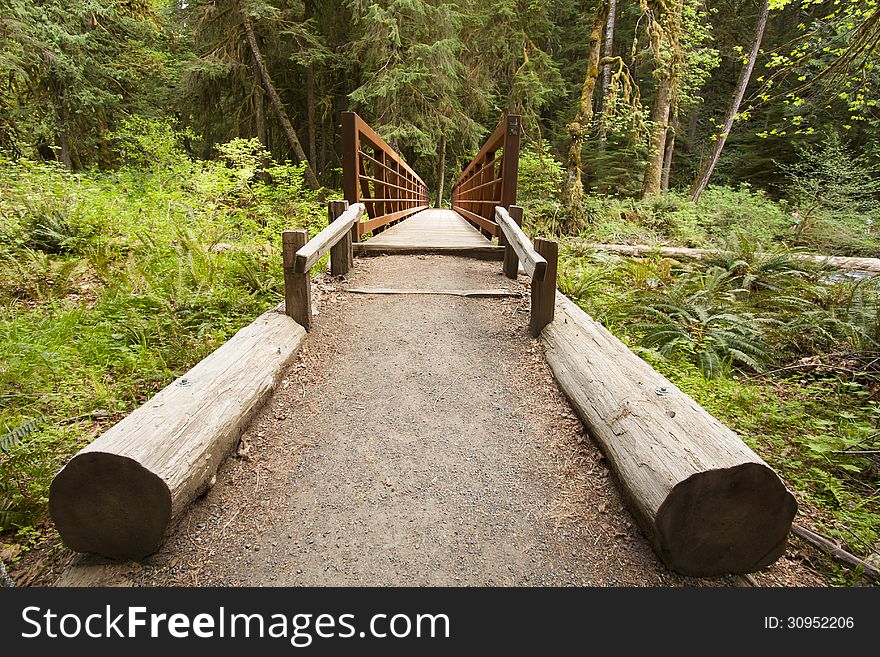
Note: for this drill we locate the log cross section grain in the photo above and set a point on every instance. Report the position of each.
(533, 263)
(707, 502)
(119, 494)
(308, 255)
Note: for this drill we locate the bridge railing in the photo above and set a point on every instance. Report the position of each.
(375, 175)
(490, 179)
(539, 261)
(299, 254)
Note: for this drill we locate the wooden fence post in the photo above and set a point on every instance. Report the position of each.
(297, 287)
(341, 259)
(351, 164)
(544, 292)
(511, 260)
(510, 163)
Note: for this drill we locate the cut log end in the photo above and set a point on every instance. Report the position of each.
(731, 520)
(111, 505)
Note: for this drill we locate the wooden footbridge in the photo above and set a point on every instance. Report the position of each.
(704, 500)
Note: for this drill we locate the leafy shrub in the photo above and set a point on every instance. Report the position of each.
(539, 187)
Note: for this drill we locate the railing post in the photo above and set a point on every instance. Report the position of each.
(341, 258)
(350, 164)
(297, 287)
(544, 292)
(511, 260)
(510, 164)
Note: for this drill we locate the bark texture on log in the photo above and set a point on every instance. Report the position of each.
(707, 503)
(119, 494)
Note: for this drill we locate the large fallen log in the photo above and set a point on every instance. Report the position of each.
(118, 496)
(708, 504)
(867, 266)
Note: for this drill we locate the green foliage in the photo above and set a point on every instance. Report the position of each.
(70, 69)
(750, 267)
(139, 275)
(672, 218)
(709, 326)
(539, 187)
(837, 198)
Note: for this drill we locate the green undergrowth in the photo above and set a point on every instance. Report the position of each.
(671, 219)
(783, 353)
(113, 284)
(833, 212)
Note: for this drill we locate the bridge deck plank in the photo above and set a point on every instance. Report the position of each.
(430, 229)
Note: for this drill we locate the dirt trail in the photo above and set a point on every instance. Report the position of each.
(416, 440)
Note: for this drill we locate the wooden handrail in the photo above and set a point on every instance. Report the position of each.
(539, 261)
(487, 181)
(382, 180)
(534, 264)
(299, 254)
(308, 255)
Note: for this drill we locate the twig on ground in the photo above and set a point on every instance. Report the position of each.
(440, 395)
(828, 546)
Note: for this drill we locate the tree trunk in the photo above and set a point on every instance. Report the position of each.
(259, 109)
(667, 154)
(745, 75)
(310, 110)
(608, 49)
(607, 52)
(441, 171)
(707, 503)
(292, 138)
(657, 142)
(64, 151)
(577, 129)
(118, 496)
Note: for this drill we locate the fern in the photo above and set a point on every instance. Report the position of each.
(11, 438)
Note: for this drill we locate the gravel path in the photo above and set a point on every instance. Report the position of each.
(416, 440)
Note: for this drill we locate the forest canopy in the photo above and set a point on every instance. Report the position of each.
(633, 98)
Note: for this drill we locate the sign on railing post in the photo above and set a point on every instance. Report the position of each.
(510, 169)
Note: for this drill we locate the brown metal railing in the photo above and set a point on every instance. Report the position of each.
(375, 175)
(489, 181)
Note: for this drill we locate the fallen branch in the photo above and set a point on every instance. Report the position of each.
(869, 266)
(828, 546)
(803, 366)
